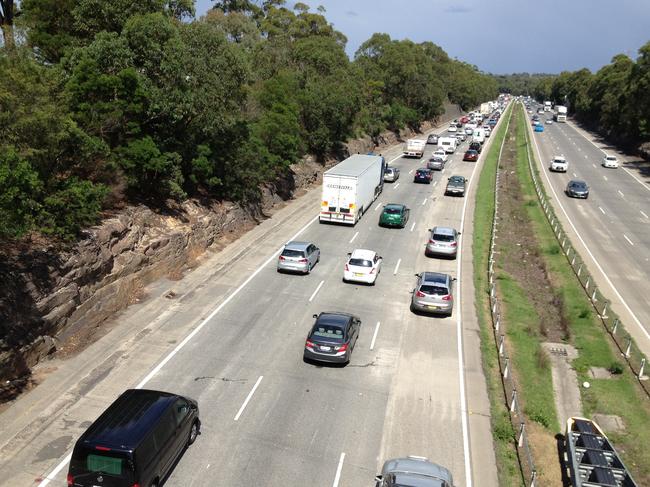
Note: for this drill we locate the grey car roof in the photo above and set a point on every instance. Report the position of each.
(435, 277)
(418, 468)
(443, 230)
(296, 245)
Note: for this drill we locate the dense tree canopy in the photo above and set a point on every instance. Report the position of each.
(134, 100)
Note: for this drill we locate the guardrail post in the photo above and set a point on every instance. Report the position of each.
(641, 369)
(492, 292)
(587, 283)
(533, 477)
(628, 349)
(579, 269)
(603, 313)
(563, 242)
(501, 344)
(513, 402)
(497, 324)
(505, 368)
(522, 430)
(615, 327)
(573, 261)
(593, 295)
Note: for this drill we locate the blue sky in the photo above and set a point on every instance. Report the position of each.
(499, 36)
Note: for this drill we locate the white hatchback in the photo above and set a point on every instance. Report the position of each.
(362, 266)
(452, 128)
(440, 153)
(610, 161)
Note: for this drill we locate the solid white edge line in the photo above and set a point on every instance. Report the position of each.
(374, 336)
(397, 266)
(161, 364)
(353, 237)
(413, 226)
(339, 469)
(248, 398)
(575, 230)
(626, 238)
(378, 206)
(316, 291)
(394, 159)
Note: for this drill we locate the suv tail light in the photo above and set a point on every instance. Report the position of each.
(303, 261)
(447, 297)
(420, 294)
(70, 480)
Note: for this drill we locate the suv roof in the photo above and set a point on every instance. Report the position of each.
(295, 245)
(442, 230)
(119, 430)
(434, 277)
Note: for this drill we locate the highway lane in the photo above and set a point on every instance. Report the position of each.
(266, 414)
(612, 222)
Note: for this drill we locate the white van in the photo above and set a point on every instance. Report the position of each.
(479, 135)
(448, 144)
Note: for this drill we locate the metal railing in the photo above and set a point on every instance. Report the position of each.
(633, 356)
(517, 418)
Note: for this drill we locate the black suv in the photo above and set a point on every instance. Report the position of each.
(475, 146)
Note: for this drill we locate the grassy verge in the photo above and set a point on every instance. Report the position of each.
(619, 395)
(502, 432)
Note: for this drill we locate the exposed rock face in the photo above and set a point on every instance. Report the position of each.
(46, 295)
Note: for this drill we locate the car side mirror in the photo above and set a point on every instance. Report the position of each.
(349, 254)
(315, 316)
(453, 278)
(459, 233)
(378, 478)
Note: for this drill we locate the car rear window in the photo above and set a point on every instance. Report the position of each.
(435, 290)
(443, 238)
(361, 262)
(392, 211)
(108, 463)
(329, 332)
(292, 253)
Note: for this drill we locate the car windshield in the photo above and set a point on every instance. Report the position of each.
(361, 262)
(292, 253)
(392, 211)
(329, 332)
(442, 237)
(433, 289)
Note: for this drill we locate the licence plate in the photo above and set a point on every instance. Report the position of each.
(358, 274)
(432, 307)
(326, 349)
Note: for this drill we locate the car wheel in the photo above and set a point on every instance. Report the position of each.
(194, 433)
(309, 266)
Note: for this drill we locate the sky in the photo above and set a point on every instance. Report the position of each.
(499, 36)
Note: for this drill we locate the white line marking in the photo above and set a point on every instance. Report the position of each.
(424, 202)
(411, 171)
(593, 164)
(600, 269)
(605, 178)
(353, 237)
(316, 291)
(587, 157)
(413, 226)
(643, 213)
(248, 398)
(395, 187)
(575, 175)
(626, 238)
(378, 206)
(579, 149)
(621, 193)
(337, 477)
(435, 182)
(601, 210)
(374, 336)
(397, 266)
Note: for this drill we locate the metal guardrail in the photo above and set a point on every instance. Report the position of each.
(633, 356)
(517, 419)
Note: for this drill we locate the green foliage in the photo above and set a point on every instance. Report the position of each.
(19, 189)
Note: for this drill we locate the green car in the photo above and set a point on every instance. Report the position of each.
(394, 215)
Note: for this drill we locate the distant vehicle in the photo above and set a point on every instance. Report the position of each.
(298, 257)
(610, 161)
(479, 135)
(492, 122)
(455, 186)
(442, 241)
(535, 123)
(433, 293)
(362, 266)
(471, 155)
(449, 144)
(464, 119)
(549, 122)
(539, 128)
(460, 136)
(476, 146)
(332, 338)
(441, 153)
(432, 139)
(136, 441)
(560, 113)
(423, 175)
(535, 117)
(547, 106)
(452, 129)
(391, 174)
(436, 164)
(488, 131)
(413, 471)
(414, 148)
(558, 164)
(486, 108)
(394, 215)
(350, 187)
(577, 189)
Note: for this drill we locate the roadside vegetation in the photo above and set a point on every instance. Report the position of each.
(105, 103)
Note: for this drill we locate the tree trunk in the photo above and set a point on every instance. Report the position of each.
(7, 22)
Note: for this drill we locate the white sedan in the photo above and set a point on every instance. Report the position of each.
(452, 128)
(610, 161)
(440, 153)
(362, 266)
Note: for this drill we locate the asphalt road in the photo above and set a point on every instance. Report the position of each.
(236, 338)
(613, 223)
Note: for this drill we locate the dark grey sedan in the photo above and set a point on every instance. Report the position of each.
(577, 189)
(332, 338)
(413, 471)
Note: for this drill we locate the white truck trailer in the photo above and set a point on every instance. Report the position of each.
(486, 109)
(548, 106)
(560, 115)
(414, 148)
(448, 144)
(350, 187)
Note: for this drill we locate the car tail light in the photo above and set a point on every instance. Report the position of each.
(70, 480)
(346, 268)
(341, 348)
(432, 241)
(102, 448)
(447, 297)
(303, 261)
(282, 258)
(453, 244)
(309, 344)
(420, 294)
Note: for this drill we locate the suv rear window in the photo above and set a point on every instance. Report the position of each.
(433, 289)
(292, 253)
(443, 238)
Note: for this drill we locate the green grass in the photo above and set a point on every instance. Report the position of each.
(502, 432)
(620, 395)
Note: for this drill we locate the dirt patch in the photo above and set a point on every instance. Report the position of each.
(548, 453)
